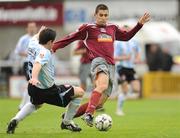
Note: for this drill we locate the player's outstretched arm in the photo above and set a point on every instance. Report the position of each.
(80, 34)
(37, 35)
(127, 35)
(145, 18)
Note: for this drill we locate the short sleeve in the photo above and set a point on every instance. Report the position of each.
(43, 57)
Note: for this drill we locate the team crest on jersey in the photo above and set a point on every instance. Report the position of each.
(41, 54)
(104, 38)
(103, 30)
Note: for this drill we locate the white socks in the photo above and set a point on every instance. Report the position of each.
(25, 111)
(71, 110)
(25, 99)
(29, 108)
(121, 99)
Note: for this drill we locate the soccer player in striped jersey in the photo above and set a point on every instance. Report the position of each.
(127, 54)
(42, 88)
(21, 51)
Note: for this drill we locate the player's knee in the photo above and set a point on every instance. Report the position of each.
(102, 87)
(79, 91)
(136, 90)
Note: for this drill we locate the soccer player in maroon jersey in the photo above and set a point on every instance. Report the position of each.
(99, 38)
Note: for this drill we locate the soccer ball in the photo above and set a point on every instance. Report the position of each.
(103, 122)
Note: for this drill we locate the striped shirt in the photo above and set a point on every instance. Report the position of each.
(47, 72)
(22, 46)
(126, 48)
(37, 53)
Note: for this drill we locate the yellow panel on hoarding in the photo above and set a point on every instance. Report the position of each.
(161, 84)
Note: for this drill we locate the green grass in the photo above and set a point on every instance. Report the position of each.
(143, 119)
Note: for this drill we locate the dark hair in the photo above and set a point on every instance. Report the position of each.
(46, 35)
(101, 7)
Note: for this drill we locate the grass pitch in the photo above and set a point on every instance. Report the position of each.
(143, 119)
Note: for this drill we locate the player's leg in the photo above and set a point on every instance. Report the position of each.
(67, 122)
(71, 96)
(104, 96)
(82, 109)
(82, 77)
(127, 75)
(101, 83)
(73, 104)
(84, 72)
(102, 76)
(26, 110)
(123, 90)
(26, 71)
(25, 99)
(121, 98)
(136, 87)
(102, 100)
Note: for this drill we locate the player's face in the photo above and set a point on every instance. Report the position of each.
(102, 17)
(32, 29)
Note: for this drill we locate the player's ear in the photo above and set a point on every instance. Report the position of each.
(49, 42)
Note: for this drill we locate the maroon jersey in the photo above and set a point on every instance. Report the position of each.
(98, 39)
(84, 57)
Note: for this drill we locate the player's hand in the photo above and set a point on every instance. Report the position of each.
(145, 18)
(37, 35)
(42, 28)
(34, 82)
